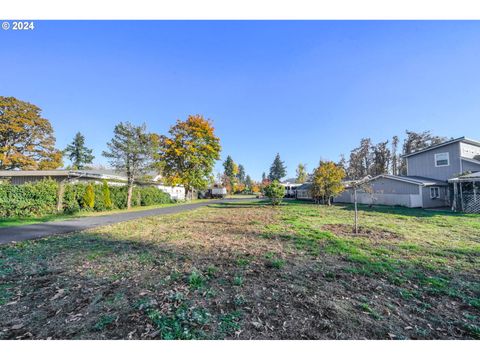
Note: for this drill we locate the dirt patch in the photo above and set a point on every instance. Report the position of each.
(226, 273)
(372, 234)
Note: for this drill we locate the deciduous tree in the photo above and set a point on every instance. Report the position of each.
(301, 173)
(26, 138)
(188, 154)
(327, 181)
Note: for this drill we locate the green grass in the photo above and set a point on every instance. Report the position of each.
(246, 270)
(10, 222)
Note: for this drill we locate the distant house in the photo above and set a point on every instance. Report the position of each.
(290, 186)
(113, 178)
(19, 177)
(432, 180)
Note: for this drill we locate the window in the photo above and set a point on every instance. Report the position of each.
(442, 159)
(434, 193)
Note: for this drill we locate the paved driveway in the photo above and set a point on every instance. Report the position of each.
(36, 231)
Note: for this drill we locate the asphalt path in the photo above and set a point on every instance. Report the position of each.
(41, 230)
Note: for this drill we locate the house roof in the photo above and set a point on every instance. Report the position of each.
(13, 173)
(467, 177)
(103, 174)
(305, 186)
(470, 160)
(448, 142)
(418, 180)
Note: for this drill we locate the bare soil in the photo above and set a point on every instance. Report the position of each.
(222, 273)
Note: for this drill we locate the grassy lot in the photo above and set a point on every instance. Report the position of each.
(8, 222)
(250, 271)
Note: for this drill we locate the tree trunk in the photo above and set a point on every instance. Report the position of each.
(129, 194)
(356, 209)
(60, 192)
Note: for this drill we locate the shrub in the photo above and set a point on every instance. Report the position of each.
(151, 195)
(73, 197)
(30, 199)
(118, 195)
(275, 192)
(89, 197)
(106, 195)
(40, 198)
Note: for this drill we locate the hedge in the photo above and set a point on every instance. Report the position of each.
(31, 199)
(40, 198)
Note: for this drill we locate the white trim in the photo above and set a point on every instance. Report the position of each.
(474, 161)
(398, 178)
(442, 153)
(438, 192)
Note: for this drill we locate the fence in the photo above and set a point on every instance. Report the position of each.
(471, 202)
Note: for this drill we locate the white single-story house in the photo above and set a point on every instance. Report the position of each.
(19, 177)
(113, 178)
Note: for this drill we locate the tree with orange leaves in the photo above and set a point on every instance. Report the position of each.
(187, 156)
(26, 139)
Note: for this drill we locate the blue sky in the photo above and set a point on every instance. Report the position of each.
(308, 90)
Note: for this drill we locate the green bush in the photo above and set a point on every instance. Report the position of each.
(275, 192)
(89, 197)
(151, 196)
(106, 195)
(31, 199)
(40, 198)
(73, 197)
(118, 195)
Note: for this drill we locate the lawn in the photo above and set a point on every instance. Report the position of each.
(9, 222)
(250, 271)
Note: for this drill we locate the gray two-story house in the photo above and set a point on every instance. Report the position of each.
(426, 184)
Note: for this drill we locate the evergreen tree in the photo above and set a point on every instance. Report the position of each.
(78, 153)
(381, 159)
(418, 141)
(230, 172)
(248, 182)
(106, 195)
(89, 197)
(264, 176)
(229, 167)
(278, 169)
(361, 160)
(241, 174)
(130, 150)
(394, 155)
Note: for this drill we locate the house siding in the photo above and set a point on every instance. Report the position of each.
(385, 191)
(423, 164)
(438, 202)
(391, 186)
(20, 180)
(470, 166)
